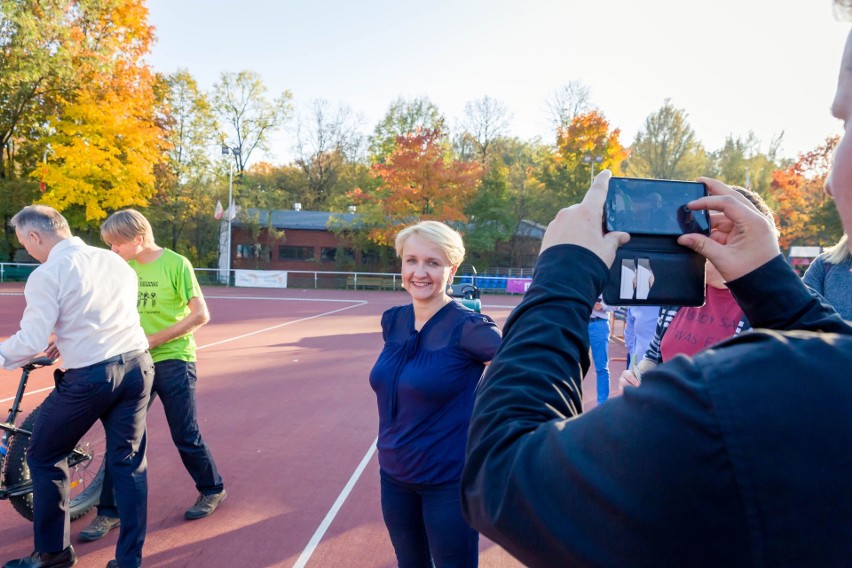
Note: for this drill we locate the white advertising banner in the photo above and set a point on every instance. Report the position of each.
(260, 278)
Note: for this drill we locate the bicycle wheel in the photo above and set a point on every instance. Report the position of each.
(86, 475)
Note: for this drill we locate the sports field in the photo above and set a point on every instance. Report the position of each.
(285, 406)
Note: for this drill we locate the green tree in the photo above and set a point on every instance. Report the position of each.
(36, 65)
(484, 121)
(403, 117)
(248, 117)
(667, 148)
(182, 209)
(327, 138)
(740, 162)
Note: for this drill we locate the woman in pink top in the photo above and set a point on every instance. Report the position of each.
(688, 330)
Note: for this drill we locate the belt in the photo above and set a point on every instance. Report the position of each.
(120, 358)
(595, 318)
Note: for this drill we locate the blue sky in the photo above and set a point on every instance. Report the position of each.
(732, 65)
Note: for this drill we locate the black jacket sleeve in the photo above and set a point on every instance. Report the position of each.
(774, 297)
(558, 489)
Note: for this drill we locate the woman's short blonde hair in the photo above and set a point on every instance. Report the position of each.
(437, 233)
(839, 252)
(124, 226)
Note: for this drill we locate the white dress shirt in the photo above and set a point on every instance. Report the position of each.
(87, 297)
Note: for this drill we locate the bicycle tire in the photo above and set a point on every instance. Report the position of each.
(86, 478)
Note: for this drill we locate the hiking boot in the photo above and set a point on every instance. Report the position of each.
(98, 528)
(204, 505)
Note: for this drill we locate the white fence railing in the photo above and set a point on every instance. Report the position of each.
(18, 272)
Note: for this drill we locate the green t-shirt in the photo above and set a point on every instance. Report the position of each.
(165, 288)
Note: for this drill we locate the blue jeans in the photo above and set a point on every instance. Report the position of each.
(116, 391)
(599, 342)
(174, 382)
(425, 523)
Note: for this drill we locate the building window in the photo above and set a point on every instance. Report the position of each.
(295, 253)
(254, 251)
(336, 254)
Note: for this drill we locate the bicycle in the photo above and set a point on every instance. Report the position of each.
(85, 463)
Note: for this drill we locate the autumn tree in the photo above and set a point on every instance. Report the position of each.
(104, 139)
(327, 138)
(419, 180)
(248, 117)
(403, 118)
(585, 143)
(805, 214)
(666, 147)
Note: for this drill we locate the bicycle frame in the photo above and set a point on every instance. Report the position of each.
(10, 430)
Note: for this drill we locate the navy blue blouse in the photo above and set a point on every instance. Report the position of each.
(424, 383)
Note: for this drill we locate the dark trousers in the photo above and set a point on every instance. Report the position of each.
(116, 391)
(174, 382)
(425, 523)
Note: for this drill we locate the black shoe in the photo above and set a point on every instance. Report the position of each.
(112, 564)
(98, 528)
(204, 505)
(64, 559)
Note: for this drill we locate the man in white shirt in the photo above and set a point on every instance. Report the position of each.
(86, 297)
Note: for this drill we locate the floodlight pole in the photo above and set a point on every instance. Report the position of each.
(588, 159)
(234, 152)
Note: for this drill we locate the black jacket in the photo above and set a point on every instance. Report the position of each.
(740, 456)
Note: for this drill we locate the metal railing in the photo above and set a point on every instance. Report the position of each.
(18, 272)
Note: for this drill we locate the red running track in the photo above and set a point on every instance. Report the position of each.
(286, 409)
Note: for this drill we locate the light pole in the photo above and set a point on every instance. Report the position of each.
(235, 152)
(589, 159)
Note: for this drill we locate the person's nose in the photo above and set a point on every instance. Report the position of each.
(420, 269)
(827, 186)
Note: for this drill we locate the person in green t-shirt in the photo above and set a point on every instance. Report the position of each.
(171, 307)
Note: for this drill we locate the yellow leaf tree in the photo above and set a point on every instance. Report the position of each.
(105, 141)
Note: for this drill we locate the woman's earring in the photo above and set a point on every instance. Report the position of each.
(449, 289)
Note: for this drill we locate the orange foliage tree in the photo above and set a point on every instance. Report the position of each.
(564, 172)
(801, 205)
(419, 180)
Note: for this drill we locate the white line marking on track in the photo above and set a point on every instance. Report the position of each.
(27, 394)
(285, 299)
(286, 323)
(200, 347)
(335, 508)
